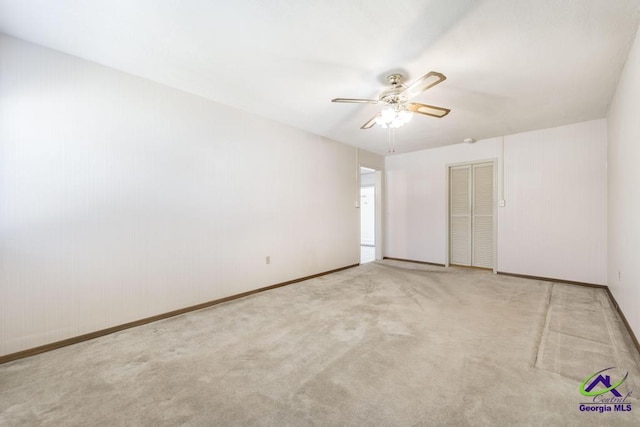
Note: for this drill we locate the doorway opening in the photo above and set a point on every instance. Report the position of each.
(368, 203)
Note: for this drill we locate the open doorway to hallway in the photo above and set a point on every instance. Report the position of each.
(367, 215)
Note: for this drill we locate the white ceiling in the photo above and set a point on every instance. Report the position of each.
(511, 65)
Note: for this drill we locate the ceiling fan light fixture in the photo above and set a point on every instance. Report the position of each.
(393, 117)
(398, 109)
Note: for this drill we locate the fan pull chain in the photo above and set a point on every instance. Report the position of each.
(392, 137)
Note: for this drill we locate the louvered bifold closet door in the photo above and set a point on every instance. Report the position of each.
(460, 215)
(482, 212)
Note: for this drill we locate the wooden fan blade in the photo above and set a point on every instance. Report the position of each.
(428, 110)
(356, 101)
(370, 123)
(425, 82)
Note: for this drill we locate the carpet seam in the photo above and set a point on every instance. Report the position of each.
(545, 328)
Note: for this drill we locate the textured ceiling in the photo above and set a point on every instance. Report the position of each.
(511, 65)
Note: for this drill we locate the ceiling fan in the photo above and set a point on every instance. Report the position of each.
(398, 109)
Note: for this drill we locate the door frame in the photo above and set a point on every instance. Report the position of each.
(494, 162)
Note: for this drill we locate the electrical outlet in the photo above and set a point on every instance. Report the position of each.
(502, 203)
(619, 276)
(268, 260)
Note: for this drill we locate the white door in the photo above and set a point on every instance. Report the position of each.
(460, 215)
(367, 216)
(482, 214)
(471, 215)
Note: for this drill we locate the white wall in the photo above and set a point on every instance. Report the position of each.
(370, 160)
(122, 198)
(367, 179)
(554, 183)
(623, 195)
(555, 186)
(416, 196)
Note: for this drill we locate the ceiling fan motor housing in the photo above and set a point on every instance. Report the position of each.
(394, 79)
(394, 95)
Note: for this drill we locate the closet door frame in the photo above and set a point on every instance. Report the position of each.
(494, 162)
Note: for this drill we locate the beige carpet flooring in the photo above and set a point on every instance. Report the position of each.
(384, 344)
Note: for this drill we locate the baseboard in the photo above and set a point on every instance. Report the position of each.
(414, 261)
(624, 319)
(551, 279)
(85, 337)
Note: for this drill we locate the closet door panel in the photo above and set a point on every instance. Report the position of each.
(460, 215)
(482, 212)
